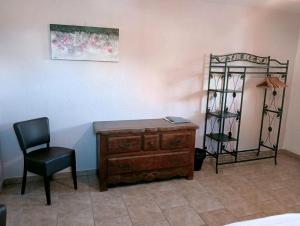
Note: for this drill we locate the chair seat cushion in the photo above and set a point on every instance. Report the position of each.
(48, 160)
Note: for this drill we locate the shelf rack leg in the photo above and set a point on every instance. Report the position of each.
(240, 117)
(263, 110)
(207, 100)
(217, 164)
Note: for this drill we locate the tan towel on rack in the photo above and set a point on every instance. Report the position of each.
(272, 82)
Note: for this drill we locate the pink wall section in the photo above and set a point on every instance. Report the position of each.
(164, 48)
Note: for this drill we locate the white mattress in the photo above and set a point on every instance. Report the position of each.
(291, 219)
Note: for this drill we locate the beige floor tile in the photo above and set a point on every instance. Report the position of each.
(220, 188)
(108, 212)
(74, 204)
(161, 223)
(11, 189)
(218, 217)
(203, 202)
(134, 190)
(268, 183)
(242, 209)
(107, 205)
(136, 199)
(44, 220)
(184, 186)
(76, 220)
(77, 197)
(146, 213)
(37, 187)
(65, 185)
(41, 215)
(255, 196)
(93, 181)
(34, 199)
(168, 185)
(242, 185)
(169, 199)
(241, 192)
(109, 197)
(271, 207)
(251, 217)
(119, 221)
(293, 209)
(229, 198)
(183, 215)
(286, 197)
(13, 201)
(60, 185)
(79, 210)
(207, 170)
(211, 181)
(293, 185)
(14, 215)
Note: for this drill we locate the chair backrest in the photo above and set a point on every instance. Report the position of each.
(32, 132)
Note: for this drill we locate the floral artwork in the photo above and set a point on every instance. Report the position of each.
(84, 43)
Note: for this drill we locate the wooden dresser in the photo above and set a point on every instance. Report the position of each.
(130, 151)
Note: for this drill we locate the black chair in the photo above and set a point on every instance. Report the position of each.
(2, 215)
(43, 161)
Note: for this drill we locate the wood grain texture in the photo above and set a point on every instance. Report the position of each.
(144, 150)
(139, 126)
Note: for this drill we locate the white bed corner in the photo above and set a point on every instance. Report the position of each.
(290, 219)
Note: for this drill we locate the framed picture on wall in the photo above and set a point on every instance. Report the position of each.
(69, 42)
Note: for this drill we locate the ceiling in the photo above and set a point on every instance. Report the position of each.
(285, 5)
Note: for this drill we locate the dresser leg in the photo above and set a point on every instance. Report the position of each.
(190, 176)
(103, 186)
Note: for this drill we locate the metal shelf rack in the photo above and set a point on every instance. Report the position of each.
(225, 93)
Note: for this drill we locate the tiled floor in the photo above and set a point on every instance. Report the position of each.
(238, 192)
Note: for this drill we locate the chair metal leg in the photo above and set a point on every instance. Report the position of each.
(24, 180)
(47, 189)
(74, 175)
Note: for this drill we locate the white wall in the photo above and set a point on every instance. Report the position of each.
(163, 49)
(292, 134)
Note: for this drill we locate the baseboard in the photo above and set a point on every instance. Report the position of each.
(32, 178)
(289, 153)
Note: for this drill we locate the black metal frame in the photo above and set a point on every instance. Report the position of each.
(231, 70)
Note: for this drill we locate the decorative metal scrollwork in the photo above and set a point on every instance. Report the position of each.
(227, 77)
(272, 114)
(240, 57)
(231, 108)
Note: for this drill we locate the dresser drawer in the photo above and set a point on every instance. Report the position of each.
(148, 162)
(124, 144)
(151, 142)
(176, 140)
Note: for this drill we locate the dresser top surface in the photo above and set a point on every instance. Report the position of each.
(142, 125)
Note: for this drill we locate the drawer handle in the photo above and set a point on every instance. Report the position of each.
(124, 166)
(149, 176)
(175, 142)
(124, 145)
(176, 161)
(151, 143)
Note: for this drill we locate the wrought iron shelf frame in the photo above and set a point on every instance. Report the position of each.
(241, 65)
